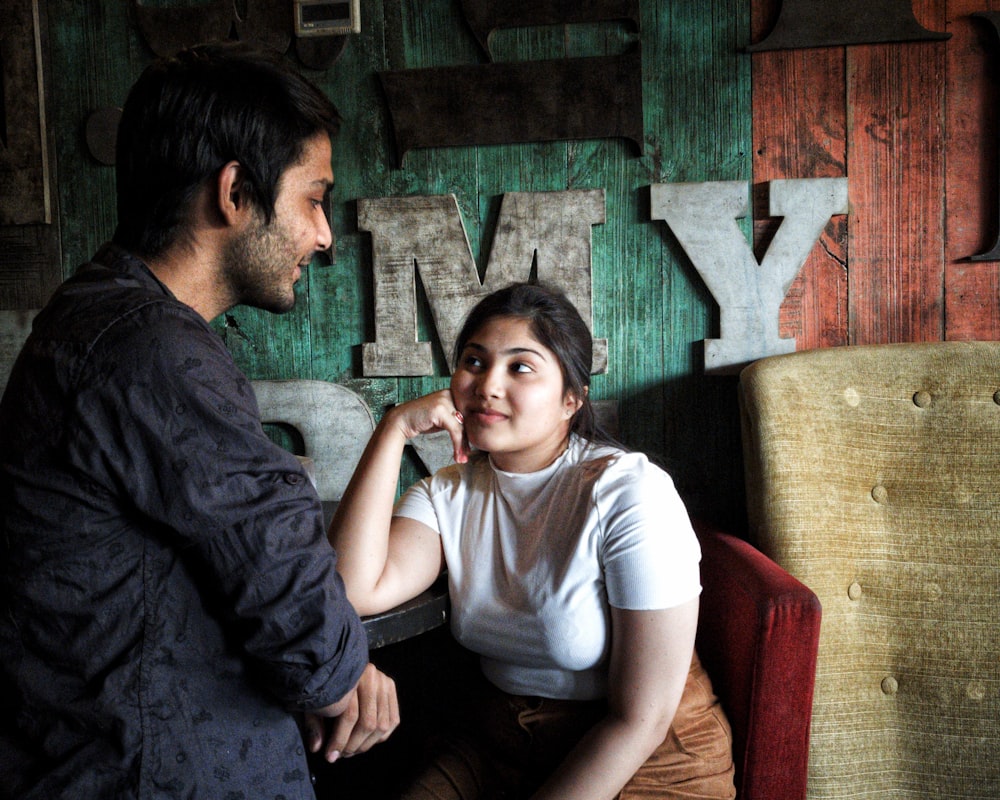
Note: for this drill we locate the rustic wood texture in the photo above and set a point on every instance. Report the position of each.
(799, 130)
(29, 210)
(896, 168)
(920, 124)
(912, 126)
(25, 179)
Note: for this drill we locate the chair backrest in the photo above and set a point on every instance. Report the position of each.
(334, 422)
(873, 476)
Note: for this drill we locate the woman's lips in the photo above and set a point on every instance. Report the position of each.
(486, 416)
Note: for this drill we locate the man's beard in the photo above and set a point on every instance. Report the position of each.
(256, 267)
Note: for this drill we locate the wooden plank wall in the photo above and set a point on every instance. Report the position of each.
(912, 126)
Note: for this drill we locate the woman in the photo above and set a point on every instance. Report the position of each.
(572, 570)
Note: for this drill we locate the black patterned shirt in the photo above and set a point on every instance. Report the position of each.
(167, 593)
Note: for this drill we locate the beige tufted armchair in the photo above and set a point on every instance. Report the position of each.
(873, 476)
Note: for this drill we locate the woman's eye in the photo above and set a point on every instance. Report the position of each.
(471, 362)
(520, 367)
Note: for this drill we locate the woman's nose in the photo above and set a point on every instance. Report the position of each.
(490, 383)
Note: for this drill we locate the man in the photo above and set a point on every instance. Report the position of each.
(169, 605)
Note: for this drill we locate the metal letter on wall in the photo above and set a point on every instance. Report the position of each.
(993, 254)
(529, 101)
(550, 230)
(822, 23)
(24, 164)
(331, 419)
(703, 218)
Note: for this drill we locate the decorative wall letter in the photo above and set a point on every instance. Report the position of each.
(548, 229)
(993, 254)
(702, 217)
(486, 16)
(820, 23)
(14, 329)
(334, 423)
(529, 101)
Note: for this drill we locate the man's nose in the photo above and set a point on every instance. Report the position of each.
(325, 239)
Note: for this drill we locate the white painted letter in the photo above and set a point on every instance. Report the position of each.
(703, 218)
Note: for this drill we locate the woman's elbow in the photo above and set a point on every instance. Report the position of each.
(650, 729)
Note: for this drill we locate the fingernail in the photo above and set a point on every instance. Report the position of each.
(332, 756)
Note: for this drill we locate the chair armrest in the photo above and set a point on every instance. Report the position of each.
(758, 634)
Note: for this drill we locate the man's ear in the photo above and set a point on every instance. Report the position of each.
(231, 196)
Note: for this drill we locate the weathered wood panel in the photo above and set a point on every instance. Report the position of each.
(96, 55)
(800, 131)
(895, 164)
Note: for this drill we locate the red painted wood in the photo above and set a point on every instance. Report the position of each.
(799, 132)
(895, 164)
(916, 128)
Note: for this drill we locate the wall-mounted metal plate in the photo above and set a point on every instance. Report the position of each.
(826, 23)
(526, 101)
(327, 17)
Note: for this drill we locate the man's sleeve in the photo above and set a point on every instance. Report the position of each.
(175, 428)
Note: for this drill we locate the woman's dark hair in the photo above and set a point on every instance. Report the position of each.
(187, 116)
(555, 323)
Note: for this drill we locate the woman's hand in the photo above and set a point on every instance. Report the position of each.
(429, 414)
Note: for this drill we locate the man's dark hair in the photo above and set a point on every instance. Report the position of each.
(188, 116)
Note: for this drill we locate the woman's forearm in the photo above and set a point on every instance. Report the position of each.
(650, 659)
(385, 561)
(603, 761)
(359, 531)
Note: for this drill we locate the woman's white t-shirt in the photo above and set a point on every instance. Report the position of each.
(535, 559)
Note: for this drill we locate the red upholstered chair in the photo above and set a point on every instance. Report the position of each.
(758, 634)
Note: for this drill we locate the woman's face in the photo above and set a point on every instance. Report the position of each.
(509, 389)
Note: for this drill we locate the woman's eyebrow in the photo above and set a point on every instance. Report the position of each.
(510, 351)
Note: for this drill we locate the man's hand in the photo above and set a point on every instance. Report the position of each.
(365, 716)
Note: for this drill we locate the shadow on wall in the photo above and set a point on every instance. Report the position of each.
(696, 417)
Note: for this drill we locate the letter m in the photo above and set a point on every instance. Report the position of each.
(550, 231)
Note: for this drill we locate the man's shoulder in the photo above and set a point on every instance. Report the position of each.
(99, 296)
